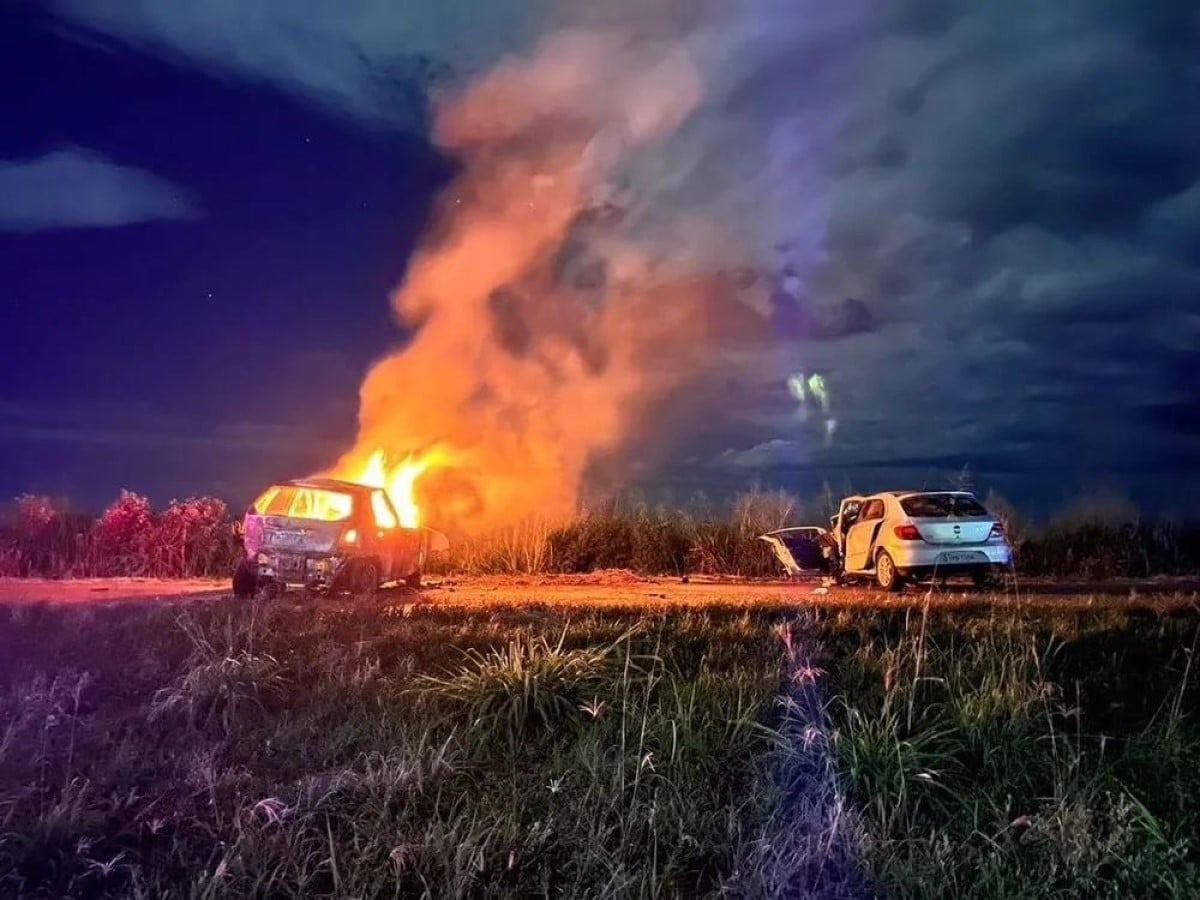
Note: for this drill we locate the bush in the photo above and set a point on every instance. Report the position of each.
(191, 538)
(121, 539)
(37, 539)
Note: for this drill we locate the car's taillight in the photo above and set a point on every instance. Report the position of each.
(908, 533)
(350, 536)
(997, 531)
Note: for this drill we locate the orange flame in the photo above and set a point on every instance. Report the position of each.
(398, 480)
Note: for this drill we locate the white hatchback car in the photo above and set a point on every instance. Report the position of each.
(896, 535)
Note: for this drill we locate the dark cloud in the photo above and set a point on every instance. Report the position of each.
(371, 60)
(1016, 184)
(990, 209)
(1173, 223)
(75, 188)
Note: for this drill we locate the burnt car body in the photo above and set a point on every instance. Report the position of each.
(324, 534)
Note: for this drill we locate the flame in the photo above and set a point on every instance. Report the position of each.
(399, 481)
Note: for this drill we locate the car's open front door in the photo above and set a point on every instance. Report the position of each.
(861, 536)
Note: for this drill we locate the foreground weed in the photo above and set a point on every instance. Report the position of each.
(528, 684)
(980, 776)
(218, 691)
(219, 684)
(901, 773)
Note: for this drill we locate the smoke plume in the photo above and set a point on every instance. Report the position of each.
(542, 331)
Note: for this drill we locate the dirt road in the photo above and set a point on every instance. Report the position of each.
(619, 589)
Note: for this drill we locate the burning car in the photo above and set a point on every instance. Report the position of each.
(328, 534)
(897, 535)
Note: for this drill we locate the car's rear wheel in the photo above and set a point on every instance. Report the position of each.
(269, 590)
(364, 579)
(245, 580)
(885, 572)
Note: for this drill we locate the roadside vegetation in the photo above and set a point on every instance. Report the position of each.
(356, 749)
(1094, 538)
(999, 756)
(190, 538)
(227, 750)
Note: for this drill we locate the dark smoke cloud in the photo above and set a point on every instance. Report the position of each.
(982, 216)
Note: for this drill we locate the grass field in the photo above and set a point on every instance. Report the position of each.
(212, 748)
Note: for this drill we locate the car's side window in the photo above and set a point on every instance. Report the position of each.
(264, 501)
(849, 516)
(382, 509)
(872, 511)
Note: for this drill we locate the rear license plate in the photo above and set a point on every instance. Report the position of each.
(287, 538)
(962, 557)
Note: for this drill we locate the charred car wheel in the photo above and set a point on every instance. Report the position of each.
(885, 572)
(245, 580)
(414, 580)
(269, 590)
(361, 578)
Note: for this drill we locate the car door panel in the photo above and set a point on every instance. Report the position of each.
(858, 545)
(860, 540)
(407, 543)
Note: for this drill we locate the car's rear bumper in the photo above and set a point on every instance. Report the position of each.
(308, 570)
(929, 573)
(931, 558)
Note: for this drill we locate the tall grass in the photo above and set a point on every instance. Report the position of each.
(1097, 549)
(292, 750)
(236, 751)
(983, 772)
(640, 538)
(193, 538)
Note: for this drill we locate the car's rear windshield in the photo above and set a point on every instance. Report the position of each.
(305, 503)
(322, 505)
(941, 506)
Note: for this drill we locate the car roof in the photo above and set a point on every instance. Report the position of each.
(327, 484)
(904, 495)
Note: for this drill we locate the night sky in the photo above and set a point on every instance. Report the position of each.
(981, 221)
